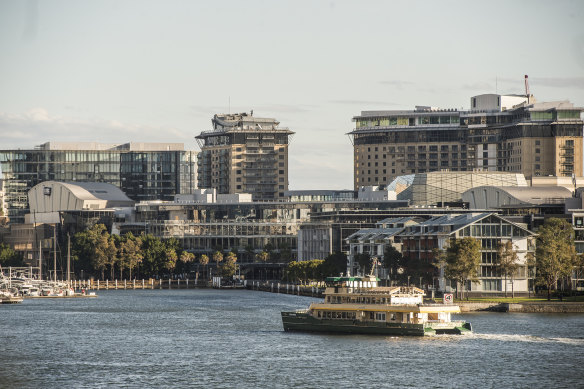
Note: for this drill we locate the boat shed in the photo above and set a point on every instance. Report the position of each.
(51, 197)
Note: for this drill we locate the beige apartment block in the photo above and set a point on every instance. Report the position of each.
(244, 154)
(499, 134)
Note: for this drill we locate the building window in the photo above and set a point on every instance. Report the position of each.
(537, 151)
(537, 143)
(281, 171)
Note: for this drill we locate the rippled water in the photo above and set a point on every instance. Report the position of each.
(216, 338)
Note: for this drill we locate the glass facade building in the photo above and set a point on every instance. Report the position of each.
(144, 171)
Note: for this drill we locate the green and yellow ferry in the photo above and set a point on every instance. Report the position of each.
(357, 305)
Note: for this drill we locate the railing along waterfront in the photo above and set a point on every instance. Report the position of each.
(139, 284)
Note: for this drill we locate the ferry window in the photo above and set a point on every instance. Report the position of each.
(319, 314)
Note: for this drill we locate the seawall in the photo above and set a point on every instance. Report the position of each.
(530, 307)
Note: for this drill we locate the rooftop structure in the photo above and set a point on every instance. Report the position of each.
(494, 197)
(447, 187)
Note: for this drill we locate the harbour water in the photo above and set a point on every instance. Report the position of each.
(221, 338)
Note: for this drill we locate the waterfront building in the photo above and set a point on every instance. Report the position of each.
(57, 208)
(419, 241)
(500, 133)
(245, 154)
(374, 242)
(144, 171)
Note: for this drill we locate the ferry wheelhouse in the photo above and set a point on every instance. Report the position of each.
(358, 305)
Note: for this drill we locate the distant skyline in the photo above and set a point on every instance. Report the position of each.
(157, 71)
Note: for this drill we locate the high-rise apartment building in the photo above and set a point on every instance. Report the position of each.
(506, 133)
(144, 171)
(244, 154)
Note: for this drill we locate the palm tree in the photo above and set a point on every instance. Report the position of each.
(185, 258)
(217, 257)
(204, 260)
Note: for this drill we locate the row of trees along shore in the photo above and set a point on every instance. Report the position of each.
(95, 252)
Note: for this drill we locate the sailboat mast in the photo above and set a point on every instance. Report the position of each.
(68, 260)
(40, 261)
(55, 253)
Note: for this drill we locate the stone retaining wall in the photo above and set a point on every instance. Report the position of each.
(543, 307)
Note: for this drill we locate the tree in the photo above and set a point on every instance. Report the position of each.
(392, 261)
(129, 253)
(463, 257)
(263, 256)
(229, 267)
(186, 258)
(364, 261)
(153, 252)
(9, 257)
(204, 260)
(171, 258)
(507, 263)
(334, 264)
(217, 257)
(98, 246)
(231, 257)
(555, 254)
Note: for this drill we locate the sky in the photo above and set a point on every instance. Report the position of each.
(157, 71)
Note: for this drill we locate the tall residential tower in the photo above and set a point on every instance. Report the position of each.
(244, 154)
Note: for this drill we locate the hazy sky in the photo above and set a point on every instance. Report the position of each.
(157, 71)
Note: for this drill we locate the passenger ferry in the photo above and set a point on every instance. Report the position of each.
(357, 305)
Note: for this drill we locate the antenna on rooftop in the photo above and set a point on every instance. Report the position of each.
(527, 88)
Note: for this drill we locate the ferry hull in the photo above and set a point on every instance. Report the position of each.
(295, 321)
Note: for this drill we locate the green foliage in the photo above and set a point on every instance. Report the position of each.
(392, 260)
(229, 267)
(129, 252)
(334, 264)
(153, 252)
(462, 260)
(304, 271)
(507, 261)
(204, 260)
(217, 257)
(9, 257)
(555, 254)
(365, 262)
(263, 256)
(95, 248)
